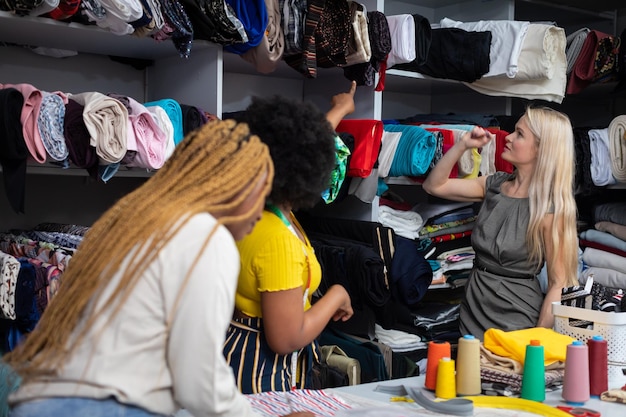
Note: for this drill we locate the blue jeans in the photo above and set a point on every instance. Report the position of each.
(78, 407)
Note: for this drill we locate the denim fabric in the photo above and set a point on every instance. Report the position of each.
(78, 407)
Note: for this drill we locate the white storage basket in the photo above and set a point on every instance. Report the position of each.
(611, 326)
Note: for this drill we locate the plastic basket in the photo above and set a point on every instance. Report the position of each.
(611, 326)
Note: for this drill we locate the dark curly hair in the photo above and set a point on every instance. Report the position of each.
(302, 145)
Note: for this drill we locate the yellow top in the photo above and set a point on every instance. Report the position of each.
(273, 258)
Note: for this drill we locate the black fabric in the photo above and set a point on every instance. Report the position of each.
(583, 180)
(454, 54)
(410, 273)
(353, 265)
(77, 138)
(210, 22)
(380, 44)
(192, 118)
(13, 150)
(332, 34)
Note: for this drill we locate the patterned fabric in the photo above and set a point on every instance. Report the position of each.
(293, 13)
(20, 7)
(319, 402)
(181, 28)
(338, 174)
(306, 61)
(332, 34)
(9, 270)
(93, 10)
(259, 369)
(50, 124)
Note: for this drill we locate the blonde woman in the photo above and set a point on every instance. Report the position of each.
(526, 218)
(137, 327)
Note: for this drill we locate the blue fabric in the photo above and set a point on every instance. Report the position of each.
(410, 273)
(253, 16)
(415, 151)
(106, 172)
(78, 407)
(174, 112)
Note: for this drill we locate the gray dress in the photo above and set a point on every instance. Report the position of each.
(502, 291)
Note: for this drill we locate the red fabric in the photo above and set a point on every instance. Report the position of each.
(584, 71)
(595, 245)
(382, 71)
(500, 164)
(367, 135)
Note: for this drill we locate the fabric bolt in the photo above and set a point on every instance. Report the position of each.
(253, 15)
(332, 34)
(50, 125)
(9, 271)
(150, 140)
(359, 49)
(617, 230)
(614, 212)
(507, 37)
(174, 112)
(617, 147)
(13, 149)
(131, 140)
(455, 54)
(45, 7)
(415, 151)
(93, 10)
(20, 7)
(603, 238)
(106, 119)
(293, 14)
(502, 291)
(603, 259)
(402, 32)
(192, 118)
(582, 179)
(388, 145)
(574, 44)
(597, 60)
(541, 68)
(180, 29)
(266, 55)
(77, 138)
(601, 172)
(380, 45)
(338, 174)
(164, 122)
(422, 42)
(214, 21)
(28, 119)
(305, 62)
(145, 23)
(65, 9)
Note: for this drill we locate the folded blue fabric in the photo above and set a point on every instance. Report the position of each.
(415, 151)
(174, 112)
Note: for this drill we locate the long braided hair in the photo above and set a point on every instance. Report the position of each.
(212, 170)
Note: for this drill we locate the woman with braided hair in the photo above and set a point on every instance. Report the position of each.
(138, 324)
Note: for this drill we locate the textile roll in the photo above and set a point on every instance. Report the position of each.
(617, 147)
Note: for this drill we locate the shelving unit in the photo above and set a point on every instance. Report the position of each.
(220, 82)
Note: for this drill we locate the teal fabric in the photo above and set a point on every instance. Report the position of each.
(415, 151)
(9, 382)
(338, 175)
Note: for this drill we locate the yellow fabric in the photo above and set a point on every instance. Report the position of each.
(521, 404)
(512, 344)
(476, 159)
(273, 259)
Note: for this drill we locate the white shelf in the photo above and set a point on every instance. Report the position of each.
(50, 33)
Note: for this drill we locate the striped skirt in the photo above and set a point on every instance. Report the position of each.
(256, 367)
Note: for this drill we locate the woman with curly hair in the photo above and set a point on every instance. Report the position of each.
(271, 342)
(149, 292)
(527, 218)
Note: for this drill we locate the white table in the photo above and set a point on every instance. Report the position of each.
(367, 396)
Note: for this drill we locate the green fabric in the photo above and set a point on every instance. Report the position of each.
(338, 174)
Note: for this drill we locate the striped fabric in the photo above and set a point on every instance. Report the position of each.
(318, 402)
(259, 369)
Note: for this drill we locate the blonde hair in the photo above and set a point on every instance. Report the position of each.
(552, 188)
(212, 170)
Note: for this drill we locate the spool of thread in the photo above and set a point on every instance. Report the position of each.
(534, 377)
(436, 351)
(468, 366)
(598, 365)
(576, 377)
(446, 381)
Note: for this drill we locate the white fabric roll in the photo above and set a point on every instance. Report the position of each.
(617, 147)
